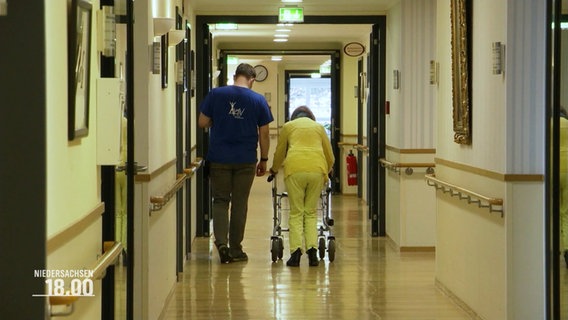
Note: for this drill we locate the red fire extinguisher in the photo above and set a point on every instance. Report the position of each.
(351, 169)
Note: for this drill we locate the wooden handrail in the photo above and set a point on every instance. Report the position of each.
(194, 167)
(62, 300)
(355, 146)
(111, 251)
(360, 147)
(395, 166)
(157, 202)
(482, 201)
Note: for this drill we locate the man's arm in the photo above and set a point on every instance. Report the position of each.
(264, 142)
(204, 121)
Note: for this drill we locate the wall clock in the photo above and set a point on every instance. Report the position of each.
(261, 73)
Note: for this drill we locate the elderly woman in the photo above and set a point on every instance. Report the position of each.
(305, 152)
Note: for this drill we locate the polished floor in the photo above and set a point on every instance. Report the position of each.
(369, 279)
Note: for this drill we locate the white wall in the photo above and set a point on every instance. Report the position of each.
(489, 91)
(155, 147)
(481, 256)
(526, 149)
(394, 57)
(349, 117)
(410, 207)
(73, 181)
(417, 95)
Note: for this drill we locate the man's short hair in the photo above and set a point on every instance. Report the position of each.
(246, 70)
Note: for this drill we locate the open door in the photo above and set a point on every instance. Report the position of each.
(376, 131)
(117, 180)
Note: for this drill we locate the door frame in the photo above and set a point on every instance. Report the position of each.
(552, 176)
(335, 112)
(23, 230)
(335, 92)
(376, 104)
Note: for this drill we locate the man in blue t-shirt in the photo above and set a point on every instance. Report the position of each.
(238, 119)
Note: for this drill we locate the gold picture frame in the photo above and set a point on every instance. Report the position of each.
(460, 16)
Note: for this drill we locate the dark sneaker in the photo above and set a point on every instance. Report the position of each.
(294, 260)
(242, 256)
(313, 256)
(224, 255)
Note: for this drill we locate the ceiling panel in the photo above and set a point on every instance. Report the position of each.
(311, 7)
(299, 33)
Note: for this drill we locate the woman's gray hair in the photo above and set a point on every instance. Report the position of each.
(302, 112)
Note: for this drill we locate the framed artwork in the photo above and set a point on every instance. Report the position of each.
(164, 59)
(79, 47)
(192, 75)
(460, 16)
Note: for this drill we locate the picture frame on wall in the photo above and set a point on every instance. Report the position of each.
(192, 75)
(164, 60)
(79, 47)
(460, 16)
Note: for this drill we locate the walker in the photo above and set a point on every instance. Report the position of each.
(324, 229)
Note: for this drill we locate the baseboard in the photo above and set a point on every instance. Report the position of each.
(398, 248)
(455, 299)
(167, 302)
(418, 249)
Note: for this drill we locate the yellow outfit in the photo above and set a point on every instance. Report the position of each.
(120, 190)
(305, 152)
(564, 183)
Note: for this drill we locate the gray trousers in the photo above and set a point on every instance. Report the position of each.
(230, 185)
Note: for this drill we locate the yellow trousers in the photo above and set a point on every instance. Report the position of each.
(120, 205)
(304, 190)
(563, 211)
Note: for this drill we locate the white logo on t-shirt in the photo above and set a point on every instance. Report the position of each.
(237, 113)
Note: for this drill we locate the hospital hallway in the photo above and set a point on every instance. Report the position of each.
(369, 278)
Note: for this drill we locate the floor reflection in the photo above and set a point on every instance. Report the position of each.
(367, 280)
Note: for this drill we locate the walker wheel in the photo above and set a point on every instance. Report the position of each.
(331, 250)
(321, 248)
(274, 249)
(280, 248)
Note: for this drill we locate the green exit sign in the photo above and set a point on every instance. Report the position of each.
(291, 14)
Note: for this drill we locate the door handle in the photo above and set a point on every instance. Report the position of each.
(137, 168)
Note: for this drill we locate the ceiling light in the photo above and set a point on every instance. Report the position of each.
(281, 36)
(280, 40)
(232, 60)
(276, 58)
(291, 1)
(290, 14)
(283, 30)
(226, 26)
(280, 25)
(325, 69)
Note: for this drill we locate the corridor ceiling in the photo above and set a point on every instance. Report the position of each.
(300, 33)
(311, 7)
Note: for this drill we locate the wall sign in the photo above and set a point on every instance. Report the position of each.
(354, 49)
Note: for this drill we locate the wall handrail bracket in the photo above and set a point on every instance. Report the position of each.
(482, 201)
(395, 166)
